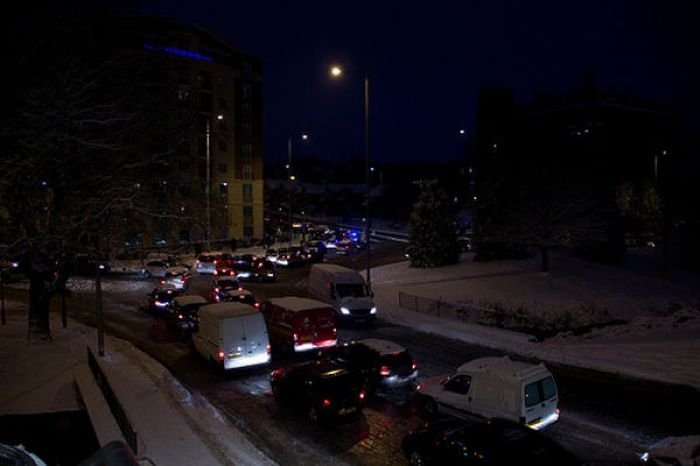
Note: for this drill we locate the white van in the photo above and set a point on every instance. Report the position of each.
(496, 387)
(344, 289)
(233, 335)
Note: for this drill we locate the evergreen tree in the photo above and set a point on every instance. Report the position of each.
(432, 234)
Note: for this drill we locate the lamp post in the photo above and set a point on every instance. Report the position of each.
(291, 178)
(337, 71)
(207, 187)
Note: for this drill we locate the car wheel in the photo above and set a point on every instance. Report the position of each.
(415, 458)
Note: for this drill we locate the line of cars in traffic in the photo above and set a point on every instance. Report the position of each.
(513, 398)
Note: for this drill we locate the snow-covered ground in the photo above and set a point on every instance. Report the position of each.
(659, 340)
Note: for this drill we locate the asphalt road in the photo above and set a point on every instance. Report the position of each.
(605, 419)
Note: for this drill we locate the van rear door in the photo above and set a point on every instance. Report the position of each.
(315, 327)
(540, 401)
(256, 335)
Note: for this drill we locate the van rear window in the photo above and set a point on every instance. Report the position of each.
(539, 391)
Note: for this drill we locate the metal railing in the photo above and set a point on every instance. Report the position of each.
(113, 402)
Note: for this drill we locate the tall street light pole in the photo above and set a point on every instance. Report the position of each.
(207, 188)
(291, 178)
(337, 71)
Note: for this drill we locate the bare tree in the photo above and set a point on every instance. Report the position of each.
(84, 133)
(550, 212)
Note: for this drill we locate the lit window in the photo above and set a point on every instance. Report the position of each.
(247, 172)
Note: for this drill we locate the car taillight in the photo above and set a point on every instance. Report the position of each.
(257, 305)
(180, 316)
(276, 372)
(326, 402)
(413, 366)
(221, 355)
(419, 387)
(558, 411)
(362, 395)
(384, 371)
(269, 349)
(296, 337)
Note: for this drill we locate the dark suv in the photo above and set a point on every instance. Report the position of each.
(322, 390)
(388, 369)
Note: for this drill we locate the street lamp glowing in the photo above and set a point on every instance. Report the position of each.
(336, 71)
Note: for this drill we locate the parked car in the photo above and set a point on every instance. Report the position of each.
(183, 314)
(160, 298)
(220, 286)
(271, 255)
(495, 387)
(205, 265)
(673, 451)
(489, 442)
(322, 390)
(240, 295)
(388, 368)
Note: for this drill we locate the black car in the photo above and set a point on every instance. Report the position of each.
(240, 296)
(489, 442)
(183, 314)
(220, 286)
(160, 299)
(388, 368)
(322, 390)
(264, 271)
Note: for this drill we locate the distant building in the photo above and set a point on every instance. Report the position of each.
(220, 89)
(607, 138)
(581, 147)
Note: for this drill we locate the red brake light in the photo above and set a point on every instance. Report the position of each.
(221, 355)
(326, 402)
(419, 387)
(276, 372)
(257, 305)
(362, 395)
(180, 316)
(296, 337)
(414, 365)
(384, 371)
(269, 350)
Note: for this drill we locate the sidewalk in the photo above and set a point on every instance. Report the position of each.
(173, 426)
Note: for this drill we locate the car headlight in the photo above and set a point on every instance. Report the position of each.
(345, 311)
(373, 310)
(644, 457)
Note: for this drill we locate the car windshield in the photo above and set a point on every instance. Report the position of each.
(353, 290)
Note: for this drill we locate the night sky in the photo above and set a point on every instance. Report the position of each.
(427, 61)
